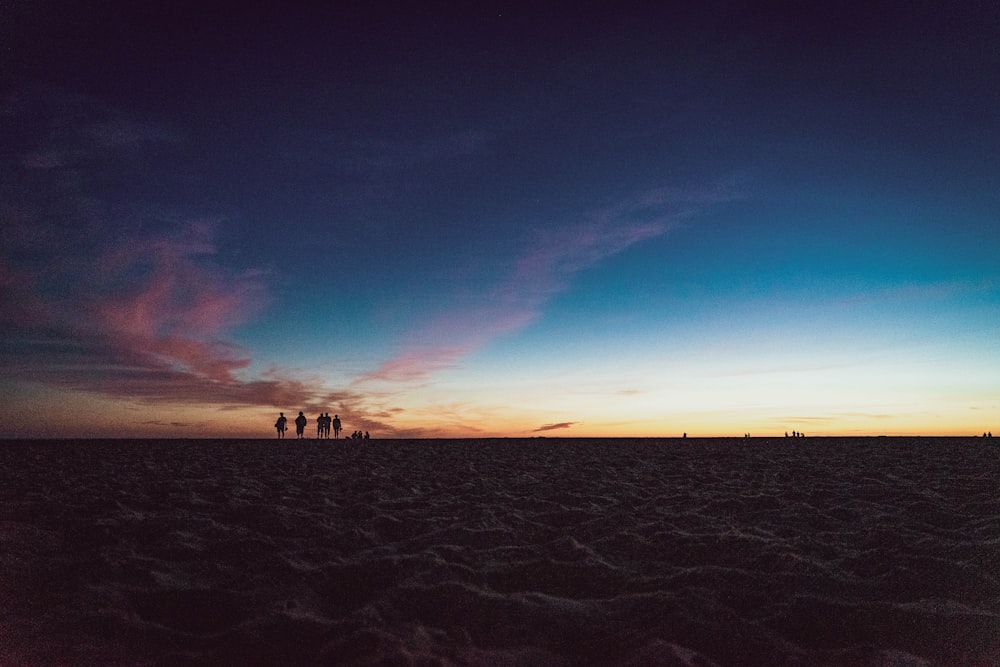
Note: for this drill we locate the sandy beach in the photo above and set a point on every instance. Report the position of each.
(815, 551)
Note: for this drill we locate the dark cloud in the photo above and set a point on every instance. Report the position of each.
(552, 427)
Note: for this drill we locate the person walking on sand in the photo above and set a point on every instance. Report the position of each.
(336, 426)
(300, 425)
(280, 424)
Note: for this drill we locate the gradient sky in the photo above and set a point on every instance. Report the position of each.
(500, 219)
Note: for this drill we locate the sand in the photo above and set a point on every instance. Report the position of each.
(816, 551)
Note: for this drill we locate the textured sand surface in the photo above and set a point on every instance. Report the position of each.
(504, 552)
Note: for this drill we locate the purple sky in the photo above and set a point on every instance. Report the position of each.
(619, 219)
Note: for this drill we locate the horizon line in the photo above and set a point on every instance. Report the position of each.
(986, 435)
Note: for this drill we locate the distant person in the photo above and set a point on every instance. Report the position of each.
(685, 435)
(280, 424)
(336, 426)
(319, 426)
(300, 425)
(366, 436)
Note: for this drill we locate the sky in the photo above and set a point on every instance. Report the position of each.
(500, 219)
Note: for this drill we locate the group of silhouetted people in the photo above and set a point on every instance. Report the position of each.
(795, 434)
(324, 423)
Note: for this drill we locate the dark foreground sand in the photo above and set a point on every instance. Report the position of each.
(501, 552)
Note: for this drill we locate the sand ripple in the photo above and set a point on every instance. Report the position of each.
(506, 552)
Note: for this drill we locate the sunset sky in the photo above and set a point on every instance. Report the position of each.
(500, 219)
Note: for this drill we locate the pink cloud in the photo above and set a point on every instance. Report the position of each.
(87, 304)
(179, 296)
(414, 364)
(143, 319)
(545, 268)
(179, 305)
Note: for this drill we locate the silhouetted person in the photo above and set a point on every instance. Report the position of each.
(366, 436)
(319, 426)
(336, 426)
(280, 424)
(685, 435)
(300, 425)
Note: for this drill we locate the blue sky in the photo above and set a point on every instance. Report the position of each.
(498, 220)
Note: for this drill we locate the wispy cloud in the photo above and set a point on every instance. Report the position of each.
(553, 427)
(98, 299)
(161, 342)
(90, 302)
(143, 318)
(157, 422)
(544, 269)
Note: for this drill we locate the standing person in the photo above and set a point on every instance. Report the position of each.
(280, 424)
(326, 425)
(319, 426)
(300, 425)
(336, 426)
